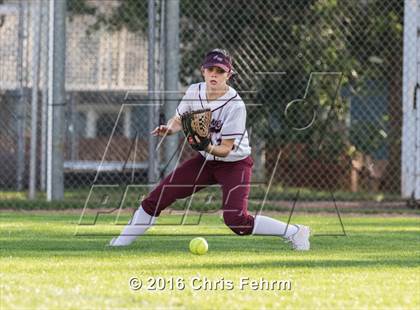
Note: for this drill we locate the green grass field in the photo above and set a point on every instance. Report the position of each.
(75, 198)
(44, 265)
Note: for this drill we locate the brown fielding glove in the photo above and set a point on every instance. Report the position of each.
(197, 124)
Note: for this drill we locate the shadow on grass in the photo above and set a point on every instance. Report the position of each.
(393, 243)
(316, 263)
(280, 255)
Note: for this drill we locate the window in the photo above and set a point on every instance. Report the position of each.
(106, 123)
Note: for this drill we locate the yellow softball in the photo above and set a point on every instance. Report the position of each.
(199, 246)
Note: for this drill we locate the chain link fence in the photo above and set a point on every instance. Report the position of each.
(322, 80)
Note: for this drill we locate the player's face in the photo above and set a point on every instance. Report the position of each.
(215, 77)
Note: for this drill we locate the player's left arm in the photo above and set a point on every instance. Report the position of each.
(221, 150)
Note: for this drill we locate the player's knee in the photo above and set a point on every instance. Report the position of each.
(241, 224)
(150, 208)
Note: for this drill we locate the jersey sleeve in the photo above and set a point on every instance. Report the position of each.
(186, 101)
(234, 126)
(183, 106)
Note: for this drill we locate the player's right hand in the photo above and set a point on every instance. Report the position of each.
(161, 131)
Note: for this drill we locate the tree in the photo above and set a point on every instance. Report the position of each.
(362, 39)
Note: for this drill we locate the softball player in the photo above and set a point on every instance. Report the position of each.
(226, 161)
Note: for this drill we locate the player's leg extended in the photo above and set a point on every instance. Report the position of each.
(297, 235)
(235, 178)
(235, 206)
(181, 183)
(192, 176)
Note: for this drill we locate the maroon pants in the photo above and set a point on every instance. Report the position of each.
(194, 175)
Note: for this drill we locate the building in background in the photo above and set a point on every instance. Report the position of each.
(101, 67)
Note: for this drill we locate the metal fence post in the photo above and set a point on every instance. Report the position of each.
(36, 20)
(152, 167)
(21, 104)
(44, 57)
(408, 152)
(171, 72)
(57, 100)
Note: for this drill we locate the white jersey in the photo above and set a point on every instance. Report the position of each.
(228, 119)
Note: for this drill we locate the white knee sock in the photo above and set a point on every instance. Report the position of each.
(137, 226)
(264, 225)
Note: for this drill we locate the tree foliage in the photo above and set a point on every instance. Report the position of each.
(360, 38)
(79, 7)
